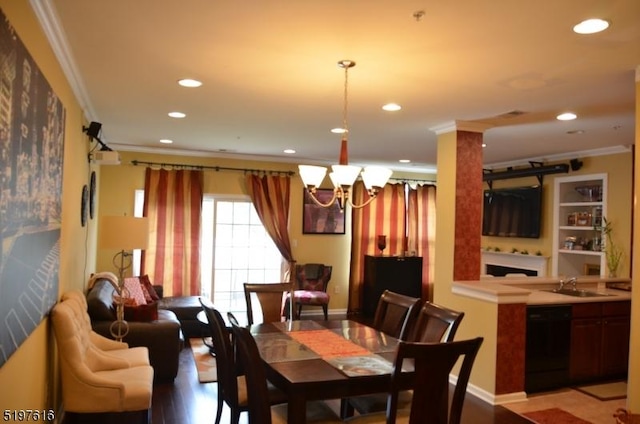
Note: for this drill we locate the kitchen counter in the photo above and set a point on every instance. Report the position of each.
(530, 290)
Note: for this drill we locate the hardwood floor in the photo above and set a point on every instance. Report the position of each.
(187, 401)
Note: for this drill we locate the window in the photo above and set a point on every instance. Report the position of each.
(235, 249)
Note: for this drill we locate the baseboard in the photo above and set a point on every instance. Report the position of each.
(489, 397)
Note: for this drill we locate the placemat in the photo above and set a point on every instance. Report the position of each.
(328, 344)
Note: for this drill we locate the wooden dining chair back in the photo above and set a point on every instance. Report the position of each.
(227, 378)
(395, 314)
(271, 300)
(433, 362)
(436, 323)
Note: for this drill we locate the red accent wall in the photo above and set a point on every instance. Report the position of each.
(466, 260)
(511, 348)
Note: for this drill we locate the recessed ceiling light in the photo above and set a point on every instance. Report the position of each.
(188, 82)
(591, 26)
(289, 151)
(391, 107)
(484, 145)
(572, 132)
(177, 114)
(567, 116)
(404, 161)
(165, 141)
(338, 131)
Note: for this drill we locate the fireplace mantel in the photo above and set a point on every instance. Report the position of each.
(514, 260)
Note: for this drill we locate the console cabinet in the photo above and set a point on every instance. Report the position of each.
(400, 274)
(599, 341)
(580, 203)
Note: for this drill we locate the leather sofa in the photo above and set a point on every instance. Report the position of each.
(162, 336)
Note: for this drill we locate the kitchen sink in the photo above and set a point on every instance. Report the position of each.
(578, 293)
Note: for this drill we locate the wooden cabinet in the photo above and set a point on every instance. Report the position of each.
(396, 273)
(580, 203)
(599, 340)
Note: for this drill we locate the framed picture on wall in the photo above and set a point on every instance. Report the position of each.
(320, 220)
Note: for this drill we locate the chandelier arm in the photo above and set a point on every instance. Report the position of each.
(369, 200)
(319, 203)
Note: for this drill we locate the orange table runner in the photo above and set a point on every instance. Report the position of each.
(327, 344)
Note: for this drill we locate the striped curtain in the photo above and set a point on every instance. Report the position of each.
(384, 216)
(270, 196)
(173, 205)
(421, 230)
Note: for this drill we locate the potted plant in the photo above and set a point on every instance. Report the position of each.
(612, 251)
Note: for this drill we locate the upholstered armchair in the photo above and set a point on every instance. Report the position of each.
(311, 287)
(99, 376)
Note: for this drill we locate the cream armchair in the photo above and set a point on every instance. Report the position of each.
(98, 374)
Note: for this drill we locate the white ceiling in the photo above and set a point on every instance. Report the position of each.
(271, 81)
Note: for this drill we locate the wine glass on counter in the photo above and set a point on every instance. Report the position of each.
(382, 243)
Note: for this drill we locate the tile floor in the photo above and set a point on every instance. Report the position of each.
(577, 403)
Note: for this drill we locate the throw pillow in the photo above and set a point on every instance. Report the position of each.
(141, 313)
(135, 290)
(146, 284)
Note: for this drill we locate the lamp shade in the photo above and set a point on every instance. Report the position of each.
(124, 232)
(311, 175)
(375, 176)
(344, 175)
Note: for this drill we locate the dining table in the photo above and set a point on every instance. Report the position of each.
(322, 360)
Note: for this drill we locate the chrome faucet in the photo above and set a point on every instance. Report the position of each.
(573, 281)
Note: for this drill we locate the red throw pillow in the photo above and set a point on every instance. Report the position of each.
(146, 284)
(141, 313)
(135, 290)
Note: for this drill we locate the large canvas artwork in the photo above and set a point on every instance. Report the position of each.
(31, 153)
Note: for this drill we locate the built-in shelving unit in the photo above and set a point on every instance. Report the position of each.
(580, 203)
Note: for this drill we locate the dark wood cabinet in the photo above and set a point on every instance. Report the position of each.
(396, 273)
(599, 341)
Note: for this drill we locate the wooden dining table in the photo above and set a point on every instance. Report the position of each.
(320, 360)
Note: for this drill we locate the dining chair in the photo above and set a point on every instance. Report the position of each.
(260, 411)
(271, 299)
(434, 324)
(395, 314)
(311, 287)
(232, 388)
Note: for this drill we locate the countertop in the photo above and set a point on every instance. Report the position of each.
(531, 290)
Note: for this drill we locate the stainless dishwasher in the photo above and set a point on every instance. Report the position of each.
(547, 347)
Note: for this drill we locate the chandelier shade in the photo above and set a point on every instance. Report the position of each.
(343, 176)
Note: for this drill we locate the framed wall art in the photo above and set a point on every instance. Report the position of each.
(320, 220)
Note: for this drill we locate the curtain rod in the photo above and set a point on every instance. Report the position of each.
(413, 180)
(213, 168)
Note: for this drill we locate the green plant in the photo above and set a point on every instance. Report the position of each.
(612, 251)
(524, 252)
(539, 253)
(514, 250)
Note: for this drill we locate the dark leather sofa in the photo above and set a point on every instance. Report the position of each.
(163, 336)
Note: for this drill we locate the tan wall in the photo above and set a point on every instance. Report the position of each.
(29, 379)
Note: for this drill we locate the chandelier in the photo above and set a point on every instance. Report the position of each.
(343, 175)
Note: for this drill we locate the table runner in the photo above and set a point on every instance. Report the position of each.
(328, 344)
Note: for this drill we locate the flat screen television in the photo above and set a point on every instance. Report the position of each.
(512, 212)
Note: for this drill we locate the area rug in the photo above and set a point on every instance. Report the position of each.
(554, 416)
(607, 391)
(205, 363)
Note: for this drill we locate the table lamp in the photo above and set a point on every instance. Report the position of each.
(124, 233)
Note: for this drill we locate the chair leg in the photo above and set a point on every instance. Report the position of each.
(220, 406)
(326, 312)
(346, 409)
(299, 310)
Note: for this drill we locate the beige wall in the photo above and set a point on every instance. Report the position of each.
(29, 379)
